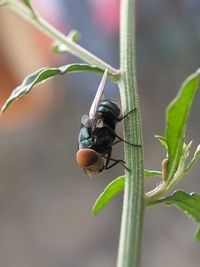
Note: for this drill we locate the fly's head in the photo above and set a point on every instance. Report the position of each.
(90, 161)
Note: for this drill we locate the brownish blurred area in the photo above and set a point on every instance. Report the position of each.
(23, 49)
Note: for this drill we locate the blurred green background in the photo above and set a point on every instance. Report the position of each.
(45, 198)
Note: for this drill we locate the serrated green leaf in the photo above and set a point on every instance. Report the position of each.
(194, 159)
(110, 191)
(188, 203)
(162, 140)
(176, 119)
(42, 75)
(197, 235)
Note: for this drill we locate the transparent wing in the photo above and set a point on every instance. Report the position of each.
(98, 96)
(85, 121)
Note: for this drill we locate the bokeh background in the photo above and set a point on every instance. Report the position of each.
(45, 198)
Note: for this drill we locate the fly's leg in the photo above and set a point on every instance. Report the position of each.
(116, 142)
(123, 117)
(120, 139)
(116, 161)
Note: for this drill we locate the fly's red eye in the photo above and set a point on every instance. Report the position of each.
(86, 157)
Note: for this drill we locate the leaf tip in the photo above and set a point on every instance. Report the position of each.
(95, 209)
(94, 212)
(198, 148)
(2, 110)
(197, 235)
(74, 35)
(5, 106)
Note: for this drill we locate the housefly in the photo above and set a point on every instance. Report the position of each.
(97, 134)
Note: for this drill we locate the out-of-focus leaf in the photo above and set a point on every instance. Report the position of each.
(110, 191)
(188, 203)
(162, 140)
(42, 75)
(2, 3)
(198, 234)
(176, 119)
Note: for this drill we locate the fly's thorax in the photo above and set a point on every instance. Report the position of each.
(102, 139)
(107, 106)
(109, 112)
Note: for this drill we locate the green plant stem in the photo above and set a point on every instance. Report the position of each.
(53, 33)
(133, 206)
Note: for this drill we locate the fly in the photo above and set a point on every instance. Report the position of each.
(97, 134)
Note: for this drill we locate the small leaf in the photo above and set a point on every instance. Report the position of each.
(194, 159)
(162, 140)
(60, 48)
(42, 75)
(74, 35)
(176, 118)
(197, 235)
(150, 173)
(188, 203)
(115, 187)
(110, 191)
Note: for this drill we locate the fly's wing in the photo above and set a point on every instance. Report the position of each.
(85, 121)
(98, 97)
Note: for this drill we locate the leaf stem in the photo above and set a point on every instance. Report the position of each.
(53, 33)
(132, 214)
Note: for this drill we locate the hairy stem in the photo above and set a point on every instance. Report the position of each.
(132, 214)
(72, 47)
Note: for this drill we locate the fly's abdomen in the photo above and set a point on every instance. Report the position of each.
(84, 139)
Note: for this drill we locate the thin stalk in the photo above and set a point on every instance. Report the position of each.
(132, 214)
(72, 47)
